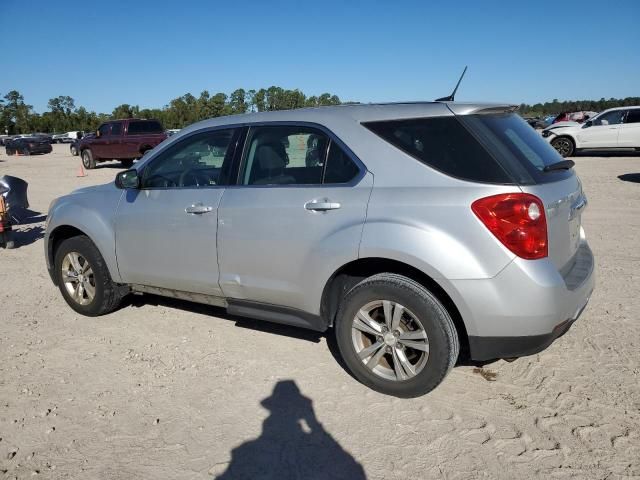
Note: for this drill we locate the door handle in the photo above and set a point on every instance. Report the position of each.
(198, 209)
(321, 206)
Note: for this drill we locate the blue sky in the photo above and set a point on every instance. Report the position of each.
(104, 53)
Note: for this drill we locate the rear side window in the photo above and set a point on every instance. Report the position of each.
(516, 146)
(144, 127)
(445, 144)
(633, 116)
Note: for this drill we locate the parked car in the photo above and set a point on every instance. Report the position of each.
(63, 138)
(410, 237)
(535, 122)
(28, 146)
(124, 140)
(613, 129)
(74, 147)
(579, 117)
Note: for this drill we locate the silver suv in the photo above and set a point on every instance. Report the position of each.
(420, 233)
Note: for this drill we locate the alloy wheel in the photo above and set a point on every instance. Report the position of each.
(563, 146)
(78, 278)
(390, 340)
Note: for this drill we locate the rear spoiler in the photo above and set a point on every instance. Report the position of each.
(480, 109)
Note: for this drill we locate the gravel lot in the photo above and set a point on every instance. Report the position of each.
(166, 389)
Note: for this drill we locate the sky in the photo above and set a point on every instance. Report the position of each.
(105, 53)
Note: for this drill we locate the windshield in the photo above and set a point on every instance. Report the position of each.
(520, 149)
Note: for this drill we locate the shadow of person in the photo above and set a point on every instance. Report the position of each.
(630, 177)
(293, 444)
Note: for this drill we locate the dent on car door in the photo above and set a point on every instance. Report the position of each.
(295, 216)
(166, 230)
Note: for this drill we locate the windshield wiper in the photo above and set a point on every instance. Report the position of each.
(562, 165)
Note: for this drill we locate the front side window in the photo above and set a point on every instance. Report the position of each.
(201, 160)
(104, 129)
(284, 155)
(633, 116)
(116, 128)
(611, 118)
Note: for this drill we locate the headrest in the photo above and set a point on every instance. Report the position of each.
(269, 158)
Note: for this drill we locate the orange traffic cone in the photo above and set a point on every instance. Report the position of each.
(81, 171)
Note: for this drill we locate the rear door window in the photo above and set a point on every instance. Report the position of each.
(445, 144)
(633, 116)
(340, 167)
(142, 127)
(284, 155)
(116, 128)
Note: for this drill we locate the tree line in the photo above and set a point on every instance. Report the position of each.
(63, 115)
(16, 116)
(556, 107)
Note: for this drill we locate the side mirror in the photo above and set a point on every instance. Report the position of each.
(128, 179)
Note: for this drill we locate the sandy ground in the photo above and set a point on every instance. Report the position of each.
(164, 389)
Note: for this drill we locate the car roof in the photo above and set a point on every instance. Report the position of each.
(358, 113)
(630, 107)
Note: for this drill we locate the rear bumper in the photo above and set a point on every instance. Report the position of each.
(494, 348)
(525, 307)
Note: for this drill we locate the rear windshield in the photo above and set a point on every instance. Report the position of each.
(499, 149)
(144, 126)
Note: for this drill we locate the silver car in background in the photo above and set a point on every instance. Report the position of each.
(421, 233)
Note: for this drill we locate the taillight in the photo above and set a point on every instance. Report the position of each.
(517, 220)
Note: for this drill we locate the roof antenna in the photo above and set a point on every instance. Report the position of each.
(450, 98)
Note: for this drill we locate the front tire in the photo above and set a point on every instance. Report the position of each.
(87, 160)
(73, 150)
(83, 278)
(564, 146)
(395, 336)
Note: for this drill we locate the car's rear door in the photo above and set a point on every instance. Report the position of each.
(293, 218)
(166, 230)
(629, 136)
(602, 131)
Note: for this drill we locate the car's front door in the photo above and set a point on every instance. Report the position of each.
(602, 131)
(294, 216)
(166, 229)
(630, 130)
(99, 143)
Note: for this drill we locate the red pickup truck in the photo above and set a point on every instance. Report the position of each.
(124, 140)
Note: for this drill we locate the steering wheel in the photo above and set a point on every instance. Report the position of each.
(196, 178)
(158, 180)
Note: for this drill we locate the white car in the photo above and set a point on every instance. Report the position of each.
(616, 128)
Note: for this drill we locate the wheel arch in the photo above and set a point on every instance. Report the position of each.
(98, 231)
(348, 275)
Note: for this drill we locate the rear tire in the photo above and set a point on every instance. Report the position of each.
(93, 292)
(564, 146)
(10, 152)
(87, 160)
(73, 150)
(420, 346)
